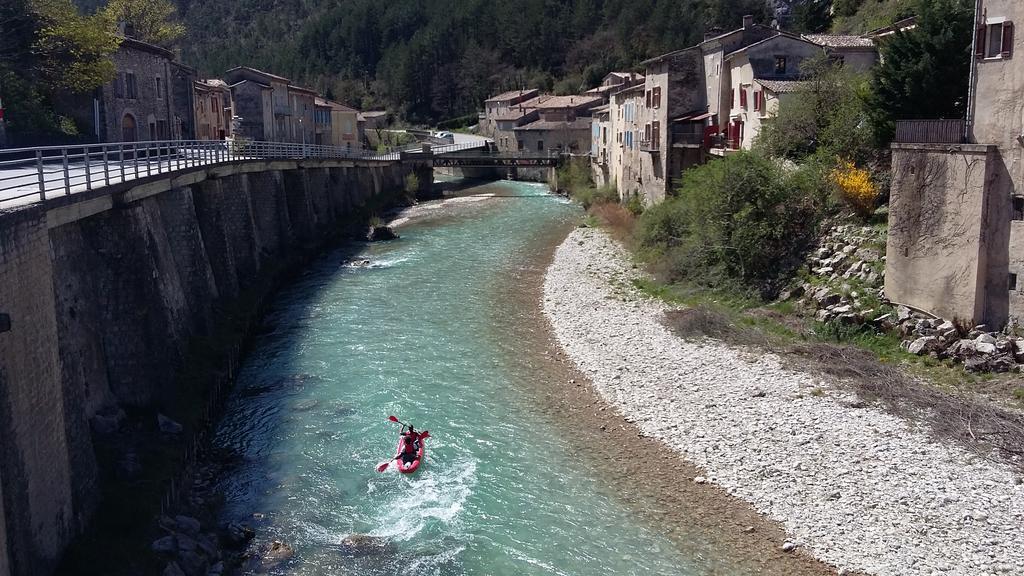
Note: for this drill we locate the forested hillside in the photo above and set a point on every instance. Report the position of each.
(436, 59)
(430, 60)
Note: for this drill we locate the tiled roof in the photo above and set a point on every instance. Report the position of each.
(512, 94)
(840, 40)
(572, 101)
(577, 124)
(782, 86)
(261, 72)
(333, 105)
(514, 113)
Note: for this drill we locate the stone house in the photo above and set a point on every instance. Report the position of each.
(613, 82)
(498, 106)
(562, 124)
(337, 125)
(754, 78)
(858, 53)
(213, 109)
(626, 126)
(956, 224)
(261, 102)
(302, 125)
(599, 145)
(139, 104)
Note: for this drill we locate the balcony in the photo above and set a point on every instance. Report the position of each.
(683, 138)
(930, 131)
(649, 146)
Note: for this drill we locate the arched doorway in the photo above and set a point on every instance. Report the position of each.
(129, 131)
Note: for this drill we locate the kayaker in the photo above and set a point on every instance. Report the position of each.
(408, 455)
(412, 433)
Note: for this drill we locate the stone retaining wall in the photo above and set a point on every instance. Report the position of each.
(106, 291)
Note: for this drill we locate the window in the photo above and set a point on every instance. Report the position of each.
(995, 39)
(159, 88)
(757, 100)
(647, 95)
(520, 144)
(656, 134)
(119, 86)
(1018, 207)
(732, 98)
(540, 145)
(743, 96)
(656, 97)
(131, 90)
(780, 64)
(1013, 281)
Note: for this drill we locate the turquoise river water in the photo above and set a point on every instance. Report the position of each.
(414, 334)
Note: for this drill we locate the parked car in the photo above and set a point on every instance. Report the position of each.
(446, 136)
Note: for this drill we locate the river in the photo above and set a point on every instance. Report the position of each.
(426, 332)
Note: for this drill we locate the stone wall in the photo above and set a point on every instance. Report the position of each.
(945, 236)
(106, 291)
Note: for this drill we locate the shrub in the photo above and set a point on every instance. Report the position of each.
(855, 188)
(412, 183)
(740, 219)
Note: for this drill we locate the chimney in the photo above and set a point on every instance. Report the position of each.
(748, 21)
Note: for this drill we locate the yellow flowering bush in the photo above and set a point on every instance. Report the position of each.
(855, 187)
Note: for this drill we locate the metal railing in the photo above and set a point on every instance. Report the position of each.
(930, 131)
(35, 174)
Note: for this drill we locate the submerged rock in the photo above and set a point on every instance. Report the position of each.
(168, 426)
(365, 545)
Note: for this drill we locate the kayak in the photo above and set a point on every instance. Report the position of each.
(415, 464)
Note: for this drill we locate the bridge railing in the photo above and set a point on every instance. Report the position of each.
(32, 174)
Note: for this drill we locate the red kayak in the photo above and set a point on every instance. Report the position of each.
(415, 464)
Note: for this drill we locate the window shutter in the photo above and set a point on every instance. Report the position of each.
(757, 100)
(979, 46)
(732, 98)
(1007, 40)
(743, 97)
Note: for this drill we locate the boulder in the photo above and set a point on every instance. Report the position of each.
(1002, 363)
(238, 534)
(357, 545)
(826, 298)
(903, 313)
(985, 339)
(173, 569)
(108, 420)
(165, 545)
(380, 233)
(946, 327)
(923, 345)
(168, 426)
(1004, 344)
(192, 563)
(884, 322)
(964, 348)
(216, 570)
(984, 347)
(187, 524)
(275, 553)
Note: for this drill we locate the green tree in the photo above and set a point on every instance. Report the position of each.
(829, 116)
(811, 16)
(152, 21)
(925, 70)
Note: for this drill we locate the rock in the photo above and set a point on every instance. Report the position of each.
(380, 233)
(903, 313)
(216, 570)
(168, 426)
(700, 480)
(192, 563)
(985, 339)
(187, 524)
(794, 292)
(984, 347)
(845, 309)
(165, 545)
(884, 322)
(1004, 344)
(788, 546)
(825, 298)
(108, 420)
(963, 348)
(238, 534)
(275, 553)
(1002, 363)
(186, 544)
(173, 569)
(977, 364)
(923, 345)
(208, 544)
(357, 545)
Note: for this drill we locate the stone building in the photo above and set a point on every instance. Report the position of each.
(956, 223)
(262, 104)
(138, 104)
(626, 128)
(498, 106)
(213, 109)
(337, 125)
(857, 53)
(562, 124)
(301, 125)
(754, 79)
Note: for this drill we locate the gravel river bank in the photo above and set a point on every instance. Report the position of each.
(857, 488)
